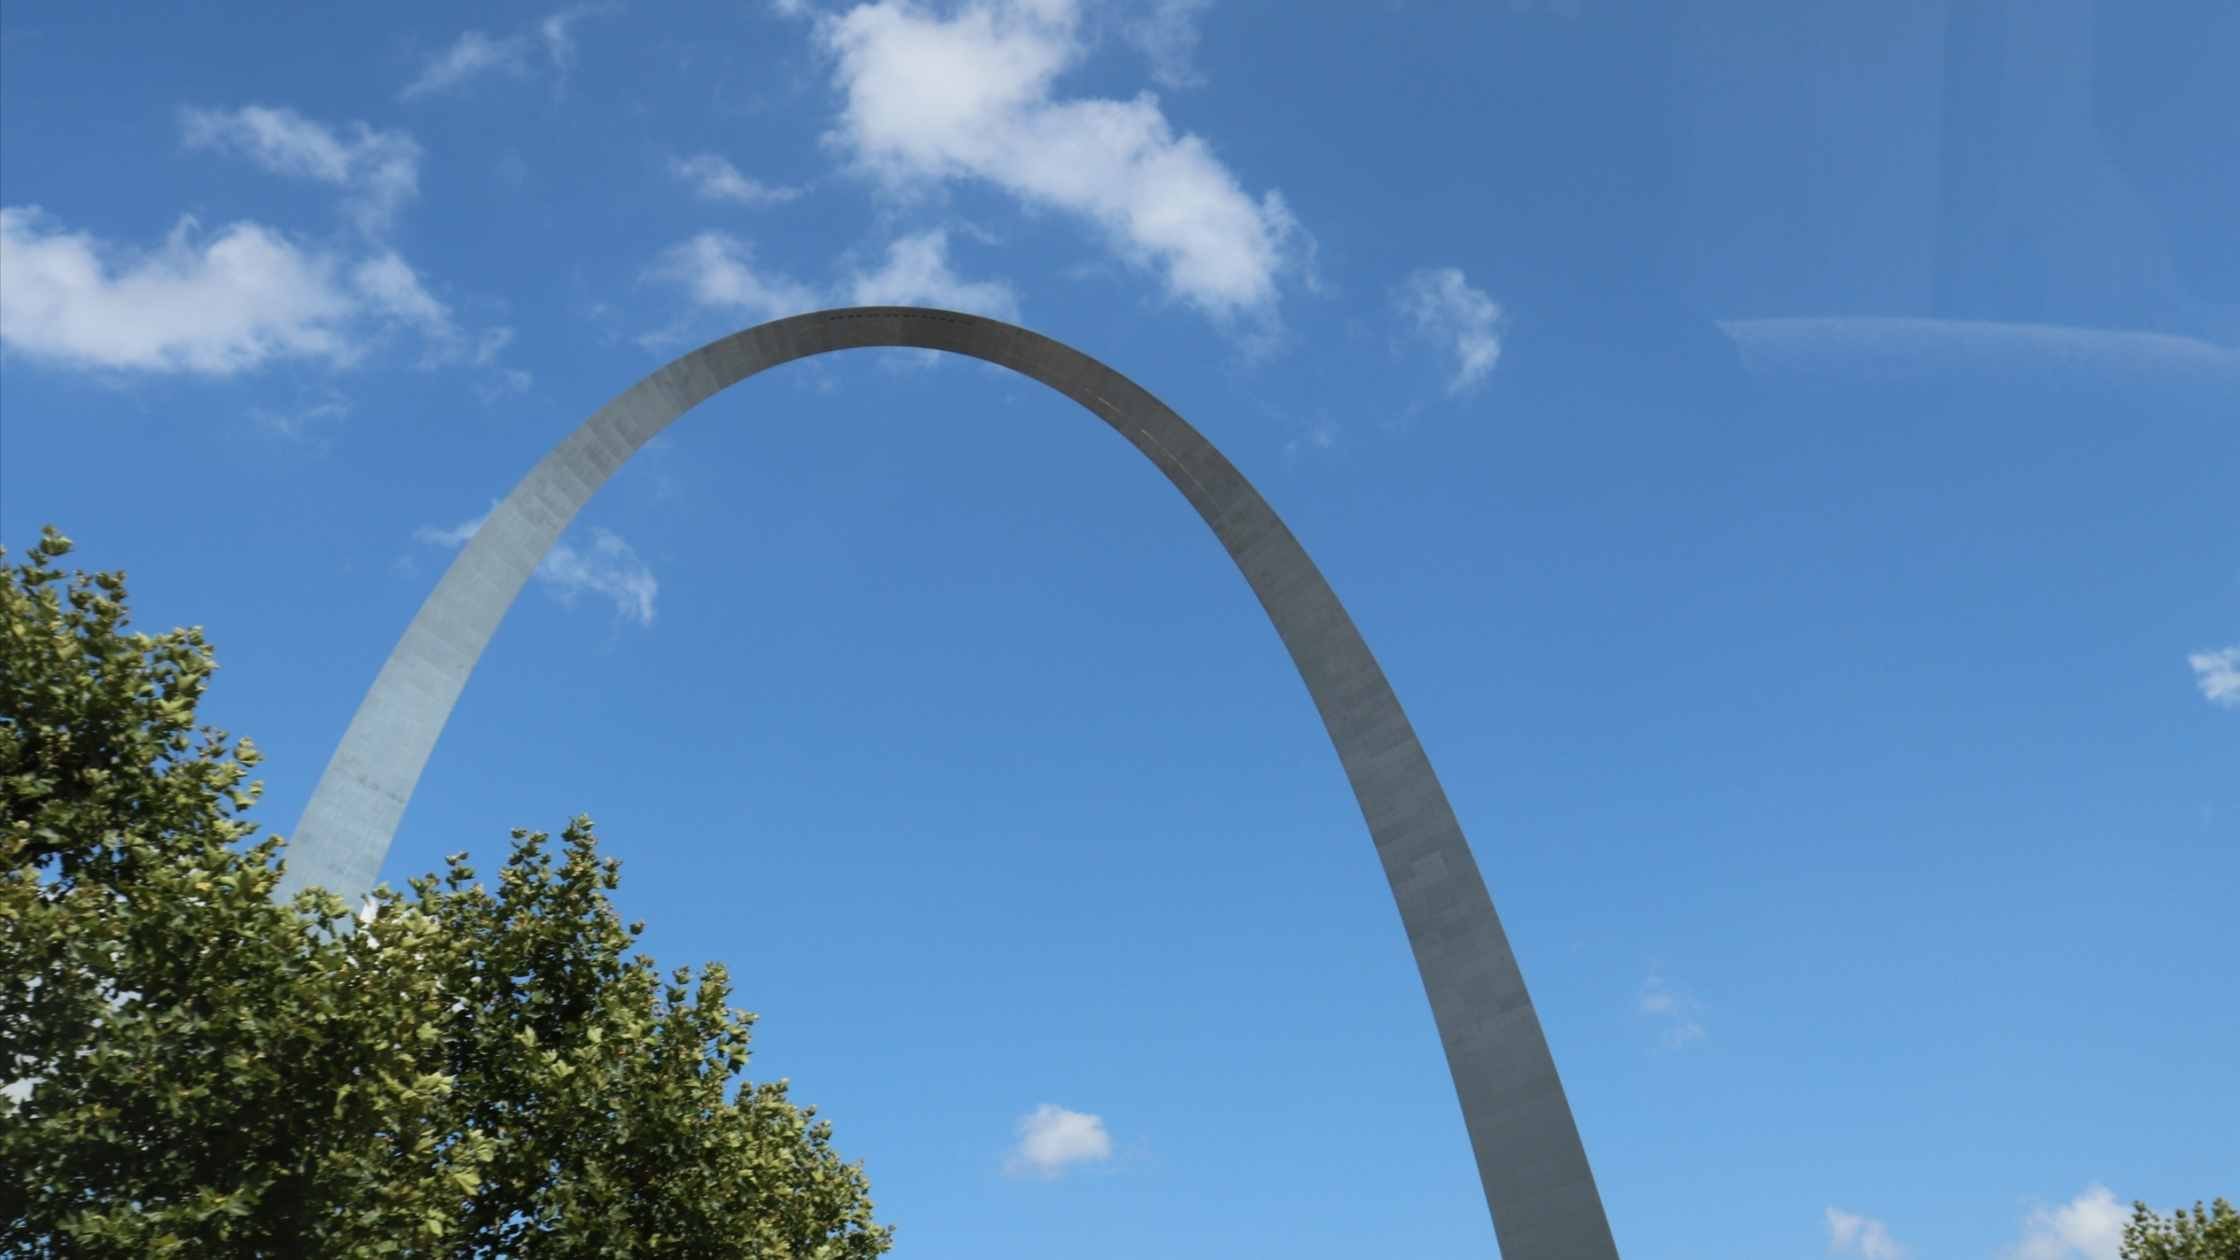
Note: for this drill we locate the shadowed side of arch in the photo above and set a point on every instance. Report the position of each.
(1530, 1159)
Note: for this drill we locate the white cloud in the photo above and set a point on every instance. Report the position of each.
(280, 140)
(232, 301)
(392, 289)
(2218, 675)
(506, 381)
(2088, 1227)
(609, 567)
(716, 179)
(1051, 1139)
(1443, 308)
(214, 306)
(1320, 435)
(475, 54)
(1167, 36)
(969, 96)
(380, 170)
(489, 343)
(556, 30)
(306, 421)
(455, 536)
(917, 273)
(1678, 1011)
(1902, 350)
(1850, 1234)
(717, 269)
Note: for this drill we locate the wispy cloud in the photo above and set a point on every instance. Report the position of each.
(304, 423)
(489, 343)
(476, 54)
(971, 96)
(378, 170)
(1677, 1011)
(1903, 350)
(916, 272)
(716, 179)
(392, 289)
(608, 568)
(505, 382)
(454, 536)
(395, 292)
(1850, 1234)
(1319, 435)
(1442, 307)
(557, 32)
(1053, 1139)
(1167, 35)
(2087, 1227)
(470, 56)
(718, 271)
(2217, 673)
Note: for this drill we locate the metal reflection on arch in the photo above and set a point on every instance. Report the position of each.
(1530, 1159)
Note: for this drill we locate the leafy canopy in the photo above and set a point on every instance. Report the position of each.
(2213, 1234)
(465, 1071)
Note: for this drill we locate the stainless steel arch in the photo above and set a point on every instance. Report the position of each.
(1530, 1159)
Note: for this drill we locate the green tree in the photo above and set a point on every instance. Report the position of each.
(2203, 1235)
(195, 1070)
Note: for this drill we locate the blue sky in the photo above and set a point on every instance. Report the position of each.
(1783, 454)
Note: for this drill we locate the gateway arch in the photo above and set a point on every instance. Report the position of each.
(1530, 1159)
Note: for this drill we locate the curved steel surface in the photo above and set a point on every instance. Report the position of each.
(1530, 1159)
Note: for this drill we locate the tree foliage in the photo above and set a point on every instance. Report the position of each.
(464, 1070)
(2212, 1234)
